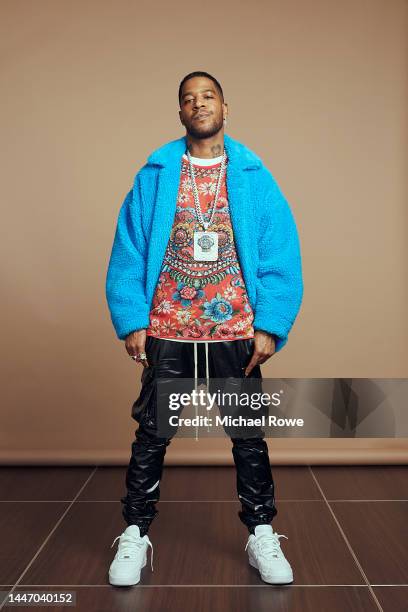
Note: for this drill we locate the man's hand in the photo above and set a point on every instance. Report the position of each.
(135, 343)
(263, 349)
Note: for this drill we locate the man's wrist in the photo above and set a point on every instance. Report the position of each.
(266, 332)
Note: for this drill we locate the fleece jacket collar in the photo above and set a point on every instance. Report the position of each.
(238, 154)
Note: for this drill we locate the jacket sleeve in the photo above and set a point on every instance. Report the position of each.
(279, 277)
(126, 274)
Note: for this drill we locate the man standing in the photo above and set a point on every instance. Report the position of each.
(204, 276)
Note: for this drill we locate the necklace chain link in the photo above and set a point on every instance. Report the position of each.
(195, 191)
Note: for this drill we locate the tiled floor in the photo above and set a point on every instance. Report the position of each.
(347, 530)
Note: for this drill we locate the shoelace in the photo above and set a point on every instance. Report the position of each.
(127, 544)
(268, 544)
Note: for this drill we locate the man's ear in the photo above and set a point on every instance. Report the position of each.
(181, 118)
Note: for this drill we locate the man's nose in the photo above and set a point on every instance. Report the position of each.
(198, 103)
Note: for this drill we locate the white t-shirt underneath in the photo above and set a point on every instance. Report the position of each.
(204, 161)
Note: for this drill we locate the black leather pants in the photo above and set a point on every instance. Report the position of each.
(194, 360)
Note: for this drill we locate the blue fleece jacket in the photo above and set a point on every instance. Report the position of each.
(265, 235)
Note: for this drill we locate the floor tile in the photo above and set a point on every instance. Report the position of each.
(32, 483)
(378, 534)
(363, 481)
(392, 598)
(23, 528)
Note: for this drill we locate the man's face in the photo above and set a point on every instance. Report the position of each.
(202, 111)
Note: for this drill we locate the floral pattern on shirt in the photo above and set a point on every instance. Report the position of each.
(204, 300)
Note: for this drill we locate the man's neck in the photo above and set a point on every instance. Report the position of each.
(206, 148)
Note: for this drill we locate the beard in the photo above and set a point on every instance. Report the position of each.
(200, 132)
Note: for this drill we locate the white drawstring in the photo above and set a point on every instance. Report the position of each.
(207, 377)
(206, 367)
(208, 374)
(195, 365)
(195, 382)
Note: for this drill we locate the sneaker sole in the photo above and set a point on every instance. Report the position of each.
(276, 579)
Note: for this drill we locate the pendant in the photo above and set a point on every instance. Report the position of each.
(205, 246)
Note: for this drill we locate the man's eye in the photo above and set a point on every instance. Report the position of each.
(191, 99)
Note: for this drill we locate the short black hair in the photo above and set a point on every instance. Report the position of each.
(196, 74)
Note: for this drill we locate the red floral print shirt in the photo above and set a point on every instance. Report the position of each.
(201, 300)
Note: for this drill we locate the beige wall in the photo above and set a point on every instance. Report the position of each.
(89, 88)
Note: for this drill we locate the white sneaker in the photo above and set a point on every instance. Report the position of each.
(130, 557)
(265, 555)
